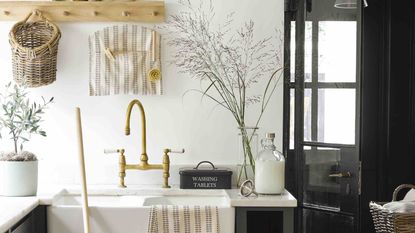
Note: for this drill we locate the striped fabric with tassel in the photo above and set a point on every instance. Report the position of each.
(183, 219)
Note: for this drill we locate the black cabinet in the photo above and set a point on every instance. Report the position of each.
(34, 222)
(264, 220)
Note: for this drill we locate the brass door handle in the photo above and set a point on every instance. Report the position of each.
(341, 175)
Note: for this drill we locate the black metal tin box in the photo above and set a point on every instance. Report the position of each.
(205, 178)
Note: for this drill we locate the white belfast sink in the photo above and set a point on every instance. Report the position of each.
(187, 200)
(119, 212)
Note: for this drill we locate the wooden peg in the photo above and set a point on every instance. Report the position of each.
(6, 12)
(66, 13)
(125, 13)
(94, 13)
(154, 13)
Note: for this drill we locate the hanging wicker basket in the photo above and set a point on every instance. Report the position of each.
(386, 221)
(34, 50)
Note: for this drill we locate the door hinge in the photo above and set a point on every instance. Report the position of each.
(359, 182)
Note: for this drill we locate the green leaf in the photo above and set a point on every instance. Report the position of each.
(19, 114)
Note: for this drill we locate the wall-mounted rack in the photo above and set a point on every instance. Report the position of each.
(98, 11)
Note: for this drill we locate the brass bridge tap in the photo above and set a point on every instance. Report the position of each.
(143, 165)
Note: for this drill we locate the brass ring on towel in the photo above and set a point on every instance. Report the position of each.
(154, 74)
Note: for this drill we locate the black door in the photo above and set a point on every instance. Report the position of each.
(321, 112)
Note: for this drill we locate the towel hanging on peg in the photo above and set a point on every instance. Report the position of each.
(125, 59)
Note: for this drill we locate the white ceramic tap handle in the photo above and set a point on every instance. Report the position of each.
(177, 151)
(111, 151)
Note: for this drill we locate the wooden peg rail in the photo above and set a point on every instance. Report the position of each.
(78, 11)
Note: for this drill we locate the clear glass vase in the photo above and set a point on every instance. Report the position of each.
(248, 150)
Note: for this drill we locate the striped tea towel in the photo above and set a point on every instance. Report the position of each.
(125, 59)
(183, 219)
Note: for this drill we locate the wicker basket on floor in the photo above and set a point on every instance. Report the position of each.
(386, 221)
(34, 51)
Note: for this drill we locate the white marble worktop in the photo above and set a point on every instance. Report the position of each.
(13, 209)
(284, 200)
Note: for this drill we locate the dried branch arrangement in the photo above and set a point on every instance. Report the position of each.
(229, 61)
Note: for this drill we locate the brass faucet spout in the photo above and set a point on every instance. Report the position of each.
(143, 125)
(143, 164)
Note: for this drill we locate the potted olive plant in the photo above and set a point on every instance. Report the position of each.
(20, 118)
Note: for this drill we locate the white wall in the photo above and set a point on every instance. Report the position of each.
(173, 121)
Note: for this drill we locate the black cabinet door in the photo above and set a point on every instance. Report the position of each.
(27, 226)
(34, 222)
(264, 220)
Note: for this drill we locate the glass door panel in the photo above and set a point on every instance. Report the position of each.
(336, 115)
(329, 178)
(307, 114)
(320, 190)
(337, 51)
(291, 127)
(292, 52)
(324, 222)
(308, 52)
(308, 46)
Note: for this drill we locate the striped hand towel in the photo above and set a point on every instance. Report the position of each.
(125, 59)
(183, 219)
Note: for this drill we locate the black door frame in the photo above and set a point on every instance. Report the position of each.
(296, 10)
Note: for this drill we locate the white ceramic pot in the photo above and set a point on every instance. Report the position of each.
(18, 178)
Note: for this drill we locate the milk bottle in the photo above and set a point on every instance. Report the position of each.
(269, 168)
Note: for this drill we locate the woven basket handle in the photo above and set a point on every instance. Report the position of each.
(399, 188)
(35, 13)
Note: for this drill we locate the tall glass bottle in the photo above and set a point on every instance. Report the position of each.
(269, 168)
